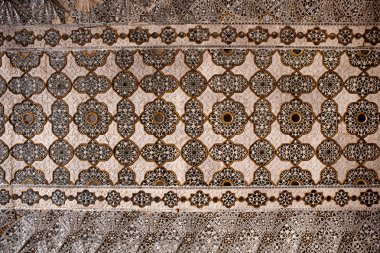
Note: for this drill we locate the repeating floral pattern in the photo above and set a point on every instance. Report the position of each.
(254, 117)
(213, 131)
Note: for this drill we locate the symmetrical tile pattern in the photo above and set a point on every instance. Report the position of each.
(189, 126)
(159, 115)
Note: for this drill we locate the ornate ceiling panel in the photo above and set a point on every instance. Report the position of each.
(189, 126)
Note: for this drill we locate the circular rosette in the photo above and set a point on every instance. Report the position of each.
(228, 118)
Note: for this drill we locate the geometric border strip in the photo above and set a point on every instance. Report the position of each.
(186, 199)
(192, 35)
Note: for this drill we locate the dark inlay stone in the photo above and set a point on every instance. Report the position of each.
(296, 118)
(227, 118)
(228, 51)
(158, 118)
(297, 51)
(227, 183)
(28, 118)
(294, 183)
(159, 183)
(361, 182)
(361, 117)
(92, 118)
(158, 51)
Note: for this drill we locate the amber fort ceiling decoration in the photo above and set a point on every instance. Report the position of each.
(189, 126)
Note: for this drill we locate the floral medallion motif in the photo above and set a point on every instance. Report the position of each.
(263, 57)
(28, 118)
(261, 177)
(262, 152)
(109, 36)
(296, 84)
(285, 198)
(92, 118)
(228, 58)
(138, 35)
(228, 118)
(341, 198)
(363, 84)
(60, 118)
(30, 197)
(257, 199)
(296, 118)
(297, 58)
(91, 59)
(59, 84)
(124, 58)
(228, 177)
(93, 176)
(61, 152)
(158, 57)
(328, 152)
(362, 176)
(329, 118)
(362, 118)
(92, 84)
(160, 177)
(126, 152)
(194, 152)
(93, 152)
(295, 177)
(193, 57)
(26, 85)
(168, 35)
(258, 35)
(200, 199)
(29, 152)
(361, 151)
(29, 175)
(57, 59)
(160, 152)
(228, 152)
(159, 83)
(228, 83)
(86, 198)
(170, 199)
(313, 198)
(194, 118)
(329, 177)
(262, 118)
(126, 177)
(331, 58)
(228, 199)
(125, 84)
(194, 177)
(113, 198)
(262, 83)
(25, 60)
(24, 37)
(228, 34)
(330, 84)
(159, 118)
(61, 176)
(193, 83)
(126, 118)
(199, 34)
(141, 199)
(295, 152)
